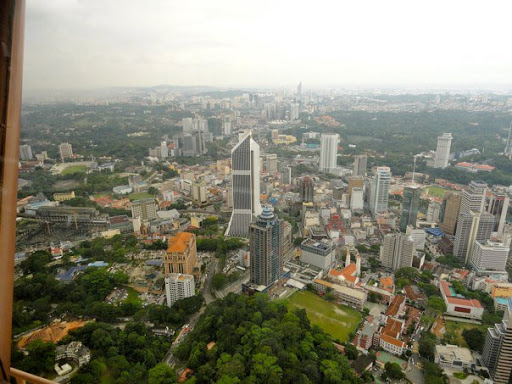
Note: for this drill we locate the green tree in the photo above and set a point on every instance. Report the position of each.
(427, 346)
(436, 304)
(475, 338)
(41, 357)
(394, 371)
(161, 374)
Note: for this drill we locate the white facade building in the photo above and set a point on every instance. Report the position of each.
(444, 143)
(379, 193)
(356, 199)
(328, 151)
(321, 254)
(397, 251)
(489, 256)
(178, 286)
(245, 184)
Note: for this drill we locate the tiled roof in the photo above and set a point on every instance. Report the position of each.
(180, 242)
(391, 340)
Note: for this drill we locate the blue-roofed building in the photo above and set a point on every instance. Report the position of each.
(70, 274)
(98, 264)
(155, 263)
(437, 232)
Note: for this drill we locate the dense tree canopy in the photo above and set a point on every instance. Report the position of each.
(258, 341)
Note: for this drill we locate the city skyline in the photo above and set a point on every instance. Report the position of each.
(229, 44)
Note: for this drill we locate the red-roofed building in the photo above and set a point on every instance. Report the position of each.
(396, 307)
(391, 344)
(458, 306)
(474, 167)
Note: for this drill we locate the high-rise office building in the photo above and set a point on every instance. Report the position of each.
(497, 352)
(433, 211)
(397, 251)
(266, 248)
(294, 111)
(354, 182)
(181, 256)
(498, 207)
(321, 254)
(269, 161)
(245, 184)
(328, 151)
(66, 151)
(444, 143)
(472, 223)
(199, 192)
(379, 193)
(508, 146)
(26, 152)
(286, 175)
(473, 198)
(471, 227)
(489, 257)
(356, 199)
(360, 164)
(449, 212)
(194, 124)
(410, 207)
(145, 209)
(178, 286)
(306, 190)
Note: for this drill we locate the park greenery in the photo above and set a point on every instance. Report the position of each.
(258, 341)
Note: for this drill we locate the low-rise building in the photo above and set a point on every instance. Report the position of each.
(391, 344)
(63, 196)
(352, 297)
(458, 306)
(453, 356)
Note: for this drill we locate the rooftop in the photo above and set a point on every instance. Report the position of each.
(180, 242)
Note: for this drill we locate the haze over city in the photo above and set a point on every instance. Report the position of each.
(89, 44)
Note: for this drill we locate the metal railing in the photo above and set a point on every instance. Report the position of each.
(26, 378)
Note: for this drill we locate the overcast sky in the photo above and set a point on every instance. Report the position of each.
(98, 43)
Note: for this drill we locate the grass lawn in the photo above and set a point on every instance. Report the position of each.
(457, 328)
(139, 196)
(337, 320)
(133, 296)
(460, 375)
(74, 169)
(436, 191)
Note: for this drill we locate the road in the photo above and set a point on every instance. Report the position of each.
(413, 373)
(208, 298)
(169, 358)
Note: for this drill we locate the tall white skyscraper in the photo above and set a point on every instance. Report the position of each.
(508, 147)
(328, 151)
(245, 184)
(379, 193)
(444, 143)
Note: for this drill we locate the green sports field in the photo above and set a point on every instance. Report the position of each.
(337, 320)
(74, 169)
(436, 191)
